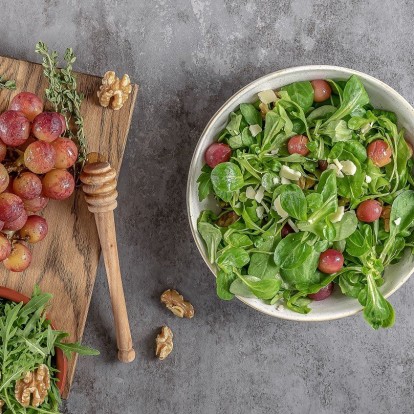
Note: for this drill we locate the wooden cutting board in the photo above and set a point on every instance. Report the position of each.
(65, 262)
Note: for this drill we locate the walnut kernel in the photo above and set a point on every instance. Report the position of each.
(34, 385)
(1, 406)
(306, 182)
(385, 214)
(176, 304)
(114, 91)
(164, 343)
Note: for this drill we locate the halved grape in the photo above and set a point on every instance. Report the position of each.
(321, 90)
(36, 205)
(5, 247)
(369, 211)
(297, 145)
(217, 153)
(35, 229)
(286, 229)
(379, 152)
(19, 258)
(28, 103)
(47, 126)
(11, 207)
(16, 224)
(14, 128)
(66, 152)
(58, 184)
(27, 186)
(330, 261)
(4, 178)
(323, 165)
(40, 157)
(3, 151)
(322, 294)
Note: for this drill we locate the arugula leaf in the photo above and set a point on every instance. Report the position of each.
(233, 127)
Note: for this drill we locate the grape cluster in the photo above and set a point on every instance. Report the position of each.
(34, 162)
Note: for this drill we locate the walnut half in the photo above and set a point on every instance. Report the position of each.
(114, 91)
(34, 386)
(176, 304)
(164, 343)
(1, 406)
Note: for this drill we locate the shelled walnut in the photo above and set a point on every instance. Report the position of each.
(176, 304)
(385, 214)
(114, 91)
(306, 182)
(164, 343)
(1, 406)
(34, 386)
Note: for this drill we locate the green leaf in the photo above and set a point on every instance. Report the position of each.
(239, 288)
(402, 210)
(227, 177)
(233, 127)
(300, 93)
(262, 289)
(77, 348)
(205, 186)
(233, 257)
(321, 112)
(354, 96)
(223, 283)
(357, 244)
(212, 238)
(251, 114)
(292, 251)
(293, 201)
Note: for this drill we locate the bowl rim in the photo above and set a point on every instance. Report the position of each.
(61, 361)
(227, 105)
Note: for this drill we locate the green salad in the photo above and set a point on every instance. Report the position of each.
(315, 193)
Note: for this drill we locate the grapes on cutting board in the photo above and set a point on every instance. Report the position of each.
(36, 164)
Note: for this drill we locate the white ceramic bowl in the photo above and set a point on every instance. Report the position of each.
(382, 96)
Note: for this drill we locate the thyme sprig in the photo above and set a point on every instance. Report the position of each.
(63, 95)
(7, 84)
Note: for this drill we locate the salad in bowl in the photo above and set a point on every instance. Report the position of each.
(312, 194)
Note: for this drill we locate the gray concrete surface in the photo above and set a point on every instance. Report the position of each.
(189, 57)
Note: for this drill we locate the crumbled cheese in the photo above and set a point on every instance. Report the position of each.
(275, 151)
(290, 174)
(279, 209)
(338, 164)
(280, 307)
(293, 225)
(348, 167)
(267, 97)
(259, 194)
(284, 180)
(397, 221)
(250, 193)
(255, 129)
(260, 212)
(336, 169)
(276, 180)
(337, 216)
(368, 179)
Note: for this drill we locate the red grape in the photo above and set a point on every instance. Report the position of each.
(34, 230)
(217, 153)
(3, 151)
(321, 90)
(28, 103)
(16, 224)
(330, 261)
(297, 145)
(322, 294)
(5, 247)
(379, 152)
(286, 229)
(19, 259)
(47, 126)
(369, 211)
(4, 178)
(63, 122)
(27, 186)
(11, 207)
(27, 143)
(323, 165)
(40, 157)
(36, 205)
(14, 128)
(66, 152)
(58, 184)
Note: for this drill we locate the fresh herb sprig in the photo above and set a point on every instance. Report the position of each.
(7, 84)
(63, 95)
(27, 340)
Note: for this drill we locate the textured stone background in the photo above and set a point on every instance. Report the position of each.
(189, 57)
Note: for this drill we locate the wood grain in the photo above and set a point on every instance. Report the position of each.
(65, 262)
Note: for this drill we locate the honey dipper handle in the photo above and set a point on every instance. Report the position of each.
(106, 229)
(99, 186)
